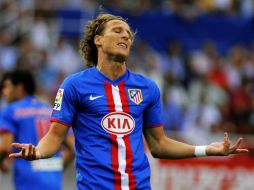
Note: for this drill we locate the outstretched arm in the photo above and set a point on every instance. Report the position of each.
(163, 147)
(47, 146)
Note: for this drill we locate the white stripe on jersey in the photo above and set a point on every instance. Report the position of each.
(120, 141)
(122, 163)
(117, 98)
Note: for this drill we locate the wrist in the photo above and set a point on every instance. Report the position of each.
(200, 151)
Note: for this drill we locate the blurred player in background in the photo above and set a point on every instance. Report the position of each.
(26, 119)
(109, 108)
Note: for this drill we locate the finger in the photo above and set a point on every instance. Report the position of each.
(34, 154)
(23, 152)
(29, 151)
(235, 147)
(226, 139)
(15, 155)
(238, 143)
(239, 150)
(17, 145)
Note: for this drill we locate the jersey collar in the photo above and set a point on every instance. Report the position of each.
(101, 76)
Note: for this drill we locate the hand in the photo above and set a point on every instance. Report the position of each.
(224, 148)
(28, 152)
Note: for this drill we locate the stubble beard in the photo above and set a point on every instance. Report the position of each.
(118, 58)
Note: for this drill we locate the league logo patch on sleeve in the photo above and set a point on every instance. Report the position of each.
(135, 95)
(58, 100)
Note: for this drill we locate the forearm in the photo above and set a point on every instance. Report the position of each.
(171, 149)
(52, 141)
(49, 145)
(163, 147)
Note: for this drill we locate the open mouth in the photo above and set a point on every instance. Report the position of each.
(123, 45)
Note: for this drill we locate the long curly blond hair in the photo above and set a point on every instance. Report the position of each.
(88, 49)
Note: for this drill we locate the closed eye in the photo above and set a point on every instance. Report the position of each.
(117, 30)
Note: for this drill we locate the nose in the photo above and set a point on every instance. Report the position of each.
(125, 35)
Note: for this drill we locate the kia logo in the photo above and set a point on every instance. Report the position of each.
(118, 123)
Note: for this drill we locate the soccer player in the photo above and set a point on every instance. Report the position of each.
(26, 119)
(109, 108)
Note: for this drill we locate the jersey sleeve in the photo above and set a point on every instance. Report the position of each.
(7, 122)
(153, 113)
(65, 103)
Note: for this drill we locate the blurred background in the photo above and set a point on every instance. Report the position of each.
(200, 53)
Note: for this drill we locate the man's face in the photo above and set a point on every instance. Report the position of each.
(9, 91)
(117, 39)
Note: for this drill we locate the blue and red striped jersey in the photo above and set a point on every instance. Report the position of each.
(29, 120)
(108, 118)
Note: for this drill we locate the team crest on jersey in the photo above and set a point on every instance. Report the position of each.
(58, 100)
(135, 95)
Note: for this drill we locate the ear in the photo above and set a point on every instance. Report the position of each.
(98, 40)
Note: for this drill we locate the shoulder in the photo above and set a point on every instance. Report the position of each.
(41, 103)
(142, 79)
(9, 109)
(26, 102)
(72, 81)
(77, 77)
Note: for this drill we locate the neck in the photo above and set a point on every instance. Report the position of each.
(110, 68)
(21, 96)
